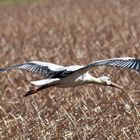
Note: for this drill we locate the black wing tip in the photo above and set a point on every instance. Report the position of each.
(9, 68)
(3, 70)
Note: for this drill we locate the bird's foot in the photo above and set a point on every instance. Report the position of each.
(30, 92)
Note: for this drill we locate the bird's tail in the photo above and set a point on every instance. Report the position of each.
(44, 81)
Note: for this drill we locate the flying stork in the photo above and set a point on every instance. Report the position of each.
(75, 75)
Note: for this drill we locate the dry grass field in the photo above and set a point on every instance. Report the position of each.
(70, 32)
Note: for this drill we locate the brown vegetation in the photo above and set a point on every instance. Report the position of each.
(70, 32)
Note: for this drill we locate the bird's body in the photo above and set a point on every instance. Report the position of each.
(73, 80)
(75, 75)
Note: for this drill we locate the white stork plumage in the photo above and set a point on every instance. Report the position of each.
(75, 75)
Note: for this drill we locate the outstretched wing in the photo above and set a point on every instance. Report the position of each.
(126, 62)
(48, 70)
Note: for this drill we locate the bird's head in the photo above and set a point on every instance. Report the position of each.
(107, 81)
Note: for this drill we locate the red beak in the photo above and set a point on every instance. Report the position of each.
(115, 85)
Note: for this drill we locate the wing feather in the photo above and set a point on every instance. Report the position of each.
(47, 70)
(130, 63)
(50, 70)
(126, 62)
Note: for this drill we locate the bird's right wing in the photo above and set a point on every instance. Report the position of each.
(47, 70)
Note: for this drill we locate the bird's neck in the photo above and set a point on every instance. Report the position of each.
(90, 79)
(96, 80)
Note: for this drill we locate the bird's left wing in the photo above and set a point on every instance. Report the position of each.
(48, 70)
(124, 62)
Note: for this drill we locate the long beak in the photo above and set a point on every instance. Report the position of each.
(115, 85)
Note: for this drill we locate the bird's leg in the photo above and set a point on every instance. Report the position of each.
(33, 91)
(30, 92)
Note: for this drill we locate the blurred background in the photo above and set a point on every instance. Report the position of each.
(69, 32)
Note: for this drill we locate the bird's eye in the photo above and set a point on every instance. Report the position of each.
(108, 79)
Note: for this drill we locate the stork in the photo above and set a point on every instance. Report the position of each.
(75, 75)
